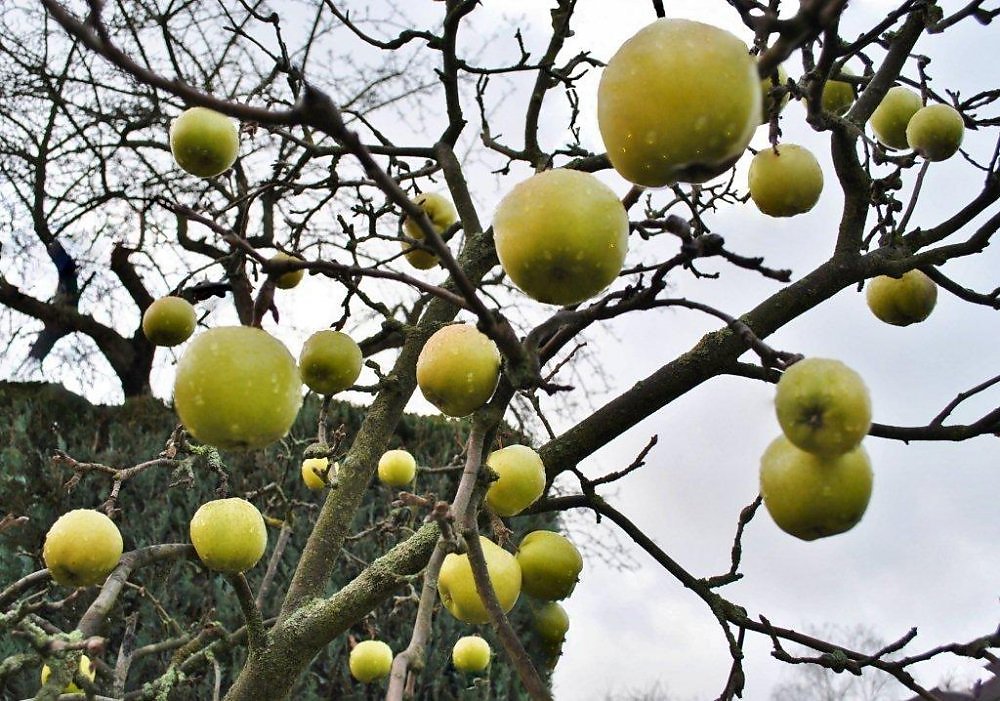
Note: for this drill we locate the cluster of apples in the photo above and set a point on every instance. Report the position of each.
(816, 478)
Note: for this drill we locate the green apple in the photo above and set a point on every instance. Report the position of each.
(769, 102)
(458, 369)
(370, 660)
(471, 654)
(86, 670)
(521, 479)
(838, 95)
(561, 236)
(229, 535)
(893, 114)
(550, 565)
(316, 472)
(169, 321)
(457, 587)
(678, 102)
(785, 180)
(237, 387)
(292, 278)
(396, 468)
(823, 406)
(330, 362)
(442, 214)
(81, 548)
(204, 142)
(550, 623)
(935, 132)
(810, 496)
(904, 300)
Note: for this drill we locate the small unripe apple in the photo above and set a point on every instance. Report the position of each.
(169, 321)
(396, 468)
(316, 471)
(204, 142)
(330, 362)
(770, 104)
(561, 236)
(904, 300)
(823, 406)
(935, 132)
(551, 623)
(229, 535)
(458, 369)
(678, 102)
(457, 586)
(82, 547)
(893, 114)
(550, 565)
(370, 660)
(86, 670)
(442, 214)
(237, 387)
(471, 654)
(810, 496)
(838, 95)
(521, 479)
(292, 278)
(785, 180)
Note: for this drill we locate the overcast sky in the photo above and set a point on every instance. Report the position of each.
(926, 552)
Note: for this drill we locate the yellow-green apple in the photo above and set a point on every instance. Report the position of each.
(330, 361)
(370, 660)
(678, 102)
(838, 95)
(81, 548)
(935, 132)
(457, 587)
(811, 496)
(785, 180)
(769, 90)
(292, 278)
(893, 114)
(471, 654)
(561, 236)
(169, 321)
(823, 406)
(458, 369)
(396, 468)
(85, 669)
(316, 472)
(550, 565)
(903, 300)
(442, 214)
(520, 479)
(204, 142)
(229, 535)
(550, 623)
(237, 387)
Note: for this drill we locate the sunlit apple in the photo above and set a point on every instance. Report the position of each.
(457, 587)
(396, 468)
(785, 180)
(838, 95)
(561, 236)
(229, 535)
(292, 278)
(458, 369)
(442, 214)
(370, 660)
(315, 473)
(81, 548)
(86, 670)
(678, 102)
(237, 387)
(810, 496)
(935, 132)
(550, 565)
(890, 118)
(330, 362)
(204, 142)
(169, 321)
(471, 654)
(904, 300)
(521, 479)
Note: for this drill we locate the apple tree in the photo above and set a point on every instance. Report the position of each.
(279, 171)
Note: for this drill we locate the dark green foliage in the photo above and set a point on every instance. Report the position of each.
(181, 599)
